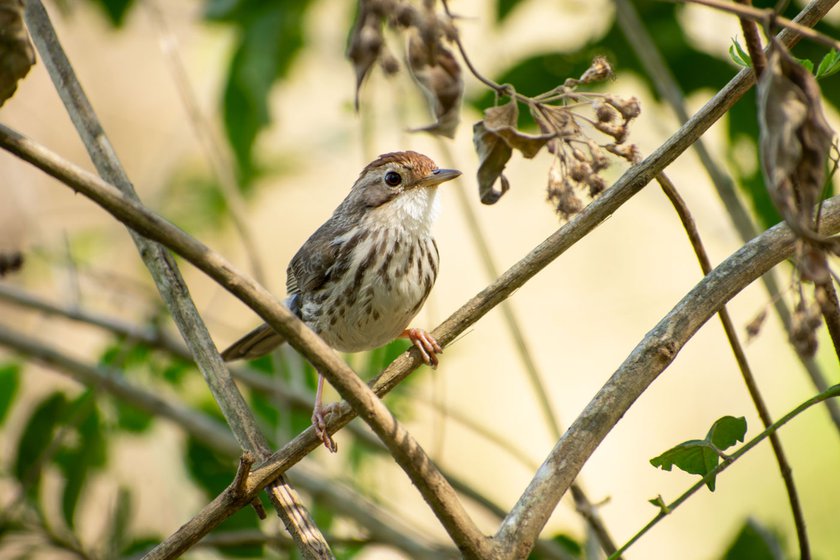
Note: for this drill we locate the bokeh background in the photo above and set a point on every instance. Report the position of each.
(580, 317)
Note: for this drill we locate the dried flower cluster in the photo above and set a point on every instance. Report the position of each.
(795, 142)
(429, 60)
(566, 117)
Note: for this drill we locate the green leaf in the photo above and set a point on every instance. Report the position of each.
(660, 503)
(755, 542)
(131, 419)
(78, 456)
(727, 431)
(738, 55)
(694, 457)
(830, 64)
(116, 10)
(36, 438)
(270, 35)
(504, 8)
(806, 63)
(9, 382)
(701, 456)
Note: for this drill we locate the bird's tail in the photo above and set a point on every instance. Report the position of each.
(256, 343)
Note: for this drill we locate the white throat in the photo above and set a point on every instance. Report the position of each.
(414, 210)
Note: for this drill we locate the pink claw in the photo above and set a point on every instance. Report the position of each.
(426, 344)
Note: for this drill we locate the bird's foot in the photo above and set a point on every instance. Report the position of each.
(319, 420)
(426, 344)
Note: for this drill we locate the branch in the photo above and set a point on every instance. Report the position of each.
(644, 364)
(743, 365)
(767, 16)
(378, 523)
(166, 275)
(665, 83)
(408, 454)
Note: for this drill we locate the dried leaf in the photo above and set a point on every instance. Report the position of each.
(502, 121)
(493, 155)
(16, 53)
(438, 74)
(365, 45)
(795, 138)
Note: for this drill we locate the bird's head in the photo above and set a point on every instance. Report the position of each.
(400, 186)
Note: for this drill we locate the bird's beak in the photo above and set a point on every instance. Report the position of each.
(438, 176)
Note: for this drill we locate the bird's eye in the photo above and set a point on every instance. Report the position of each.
(392, 179)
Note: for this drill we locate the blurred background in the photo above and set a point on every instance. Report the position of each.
(276, 94)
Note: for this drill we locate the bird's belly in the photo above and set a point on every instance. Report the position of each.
(388, 298)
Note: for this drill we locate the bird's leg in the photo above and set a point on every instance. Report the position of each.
(319, 419)
(425, 343)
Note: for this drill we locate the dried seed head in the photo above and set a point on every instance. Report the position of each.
(599, 70)
(579, 171)
(604, 113)
(596, 185)
(629, 108)
(754, 326)
(803, 329)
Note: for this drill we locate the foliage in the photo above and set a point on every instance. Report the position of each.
(701, 456)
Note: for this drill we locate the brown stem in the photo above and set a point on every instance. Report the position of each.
(753, 41)
(743, 365)
(665, 83)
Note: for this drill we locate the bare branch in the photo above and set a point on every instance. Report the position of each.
(665, 83)
(410, 456)
(380, 524)
(743, 365)
(165, 273)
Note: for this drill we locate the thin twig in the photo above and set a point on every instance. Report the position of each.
(210, 145)
(753, 41)
(588, 510)
(831, 392)
(743, 365)
(644, 364)
(666, 85)
(765, 16)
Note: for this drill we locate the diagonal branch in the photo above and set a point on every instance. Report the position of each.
(378, 523)
(666, 85)
(746, 371)
(408, 454)
(644, 364)
(168, 280)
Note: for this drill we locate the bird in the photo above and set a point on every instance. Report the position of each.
(360, 279)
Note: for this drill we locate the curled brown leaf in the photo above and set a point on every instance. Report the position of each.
(365, 44)
(794, 140)
(16, 53)
(438, 74)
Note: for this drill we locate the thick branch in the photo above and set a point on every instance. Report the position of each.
(168, 279)
(653, 354)
(666, 85)
(378, 523)
(410, 456)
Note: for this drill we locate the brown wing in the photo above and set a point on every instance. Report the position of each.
(310, 268)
